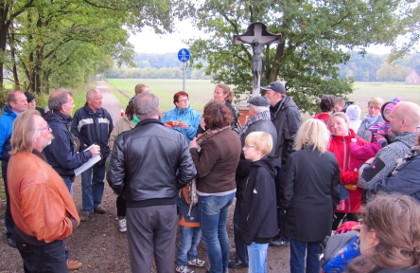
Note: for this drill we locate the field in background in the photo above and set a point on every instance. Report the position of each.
(384, 90)
(201, 91)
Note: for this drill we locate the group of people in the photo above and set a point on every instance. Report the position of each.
(294, 182)
(40, 211)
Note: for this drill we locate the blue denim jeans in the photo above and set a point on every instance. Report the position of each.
(297, 257)
(68, 183)
(213, 214)
(92, 187)
(238, 229)
(46, 258)
(190, 239)
(257, 258)
(8, 220)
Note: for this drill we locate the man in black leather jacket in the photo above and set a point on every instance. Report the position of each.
(148, 165)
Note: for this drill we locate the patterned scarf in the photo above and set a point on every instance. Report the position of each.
(210, 133)
(265, 115)
(415, 151)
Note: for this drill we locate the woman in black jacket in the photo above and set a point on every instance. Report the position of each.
(309, 193)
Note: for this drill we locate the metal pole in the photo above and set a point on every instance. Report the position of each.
(183, 78)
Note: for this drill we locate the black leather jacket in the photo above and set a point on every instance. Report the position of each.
(149, 164)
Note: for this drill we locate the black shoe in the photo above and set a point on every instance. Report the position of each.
(278, 242)
(11, 242)
(237, 264)
(99, 210)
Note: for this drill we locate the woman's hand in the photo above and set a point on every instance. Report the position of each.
(202, 124)
(183, 125)
(193, 143)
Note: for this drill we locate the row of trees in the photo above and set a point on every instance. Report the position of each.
(369, 67)
(372, 67)
(316, 37)
(49, 43)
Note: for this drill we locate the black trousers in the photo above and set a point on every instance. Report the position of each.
(48, 258)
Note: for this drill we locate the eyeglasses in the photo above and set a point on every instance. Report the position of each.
(184, 100)
(249, 146)
(44, 128)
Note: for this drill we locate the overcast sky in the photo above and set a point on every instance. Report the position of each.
(149, 42)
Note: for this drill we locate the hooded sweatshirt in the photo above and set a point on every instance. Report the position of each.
(259, 209)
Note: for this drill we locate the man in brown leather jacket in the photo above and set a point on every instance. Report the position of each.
(42, 207)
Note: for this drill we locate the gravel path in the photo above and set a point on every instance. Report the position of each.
(99, 245)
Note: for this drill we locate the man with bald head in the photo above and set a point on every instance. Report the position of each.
(405, 119)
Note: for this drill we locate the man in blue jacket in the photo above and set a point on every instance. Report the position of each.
(16, 104)
(62, 153)
(92, 124)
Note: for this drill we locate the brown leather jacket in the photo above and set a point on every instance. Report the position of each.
(41, 204)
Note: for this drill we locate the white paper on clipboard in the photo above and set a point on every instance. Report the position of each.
(88, 164)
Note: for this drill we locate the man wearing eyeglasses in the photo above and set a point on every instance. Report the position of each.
(42, 207)
(62, 154)
(16, 104)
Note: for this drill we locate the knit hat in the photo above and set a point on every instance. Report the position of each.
(353, 112)
(29, 97)
(389, 105)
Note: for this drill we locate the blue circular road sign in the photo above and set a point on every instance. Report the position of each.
(183, 55)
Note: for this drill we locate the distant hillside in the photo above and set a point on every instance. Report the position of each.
(167, 60)
(362, 68)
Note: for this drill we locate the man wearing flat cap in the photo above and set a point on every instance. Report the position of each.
(286, 118)
(259, 120)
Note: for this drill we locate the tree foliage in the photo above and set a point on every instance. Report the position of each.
(316, 36)
(49, 43)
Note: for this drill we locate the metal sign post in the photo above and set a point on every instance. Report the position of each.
(183, 56)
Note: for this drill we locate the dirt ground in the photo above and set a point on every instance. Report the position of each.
(100, 246)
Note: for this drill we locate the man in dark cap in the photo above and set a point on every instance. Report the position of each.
(286, 118)
(259, 120)
(32, 103)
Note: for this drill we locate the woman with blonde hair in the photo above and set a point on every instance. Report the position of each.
(309, 194)
(389, 236)
(340, 144)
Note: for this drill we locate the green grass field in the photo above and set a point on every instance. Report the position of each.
(384, 90)
(201, 91)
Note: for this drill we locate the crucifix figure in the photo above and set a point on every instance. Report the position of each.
(257, 36)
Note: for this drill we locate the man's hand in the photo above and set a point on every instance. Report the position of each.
(95, 150)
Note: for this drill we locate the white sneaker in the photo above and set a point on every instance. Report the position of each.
(123, 225)
(196, 262)
(183, 269)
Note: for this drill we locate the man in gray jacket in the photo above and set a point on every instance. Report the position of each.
(149, 164)
(405, 119)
